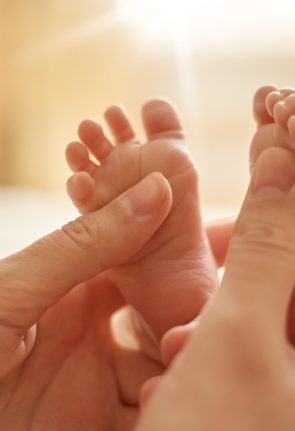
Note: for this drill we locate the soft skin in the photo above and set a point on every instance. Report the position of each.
(175, 271)
(59, 365)
(236, 369)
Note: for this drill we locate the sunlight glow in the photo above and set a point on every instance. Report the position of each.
(184, 24)
(207, 21)
(169, 20)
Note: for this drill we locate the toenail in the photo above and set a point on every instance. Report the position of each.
(281, 104)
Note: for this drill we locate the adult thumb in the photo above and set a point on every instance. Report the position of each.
(37, 277)
(242, 331)
(260, 266)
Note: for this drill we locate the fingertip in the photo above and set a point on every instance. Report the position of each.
(150, 195)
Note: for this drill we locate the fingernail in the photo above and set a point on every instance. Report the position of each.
(275, 171)
(148, 195)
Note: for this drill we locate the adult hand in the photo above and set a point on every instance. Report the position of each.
(75, 376)
(236, 371)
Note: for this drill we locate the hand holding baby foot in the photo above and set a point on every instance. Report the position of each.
(70, 374)
(173, 275)
(236, 370)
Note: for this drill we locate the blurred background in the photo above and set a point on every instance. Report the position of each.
(62, 61)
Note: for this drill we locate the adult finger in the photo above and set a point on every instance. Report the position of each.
(36, 278)
(260, 266)
(254, 261)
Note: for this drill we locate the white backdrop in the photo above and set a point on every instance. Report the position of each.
(26, 215)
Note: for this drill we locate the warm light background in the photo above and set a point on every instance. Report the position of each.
(63, 60)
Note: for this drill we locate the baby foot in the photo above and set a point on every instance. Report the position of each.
(171, 278)
(274, 112)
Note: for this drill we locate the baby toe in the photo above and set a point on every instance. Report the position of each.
(80, 188)
(161, 119)
(76, 156)
(284, 109)
(120, 124)
(276, 96)
(78, 160)
(261, 114)
(92, 135)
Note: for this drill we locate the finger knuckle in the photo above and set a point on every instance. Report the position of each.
(85, 232)
(263, 236)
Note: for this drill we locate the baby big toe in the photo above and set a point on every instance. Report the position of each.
(161, 119)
